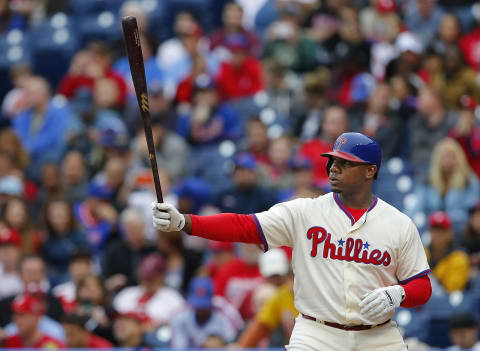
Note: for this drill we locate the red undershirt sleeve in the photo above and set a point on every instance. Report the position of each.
(227, 227)
(417, 292)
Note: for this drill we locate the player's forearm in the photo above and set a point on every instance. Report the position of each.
(223, 227)
(417, 292)
(253, 334)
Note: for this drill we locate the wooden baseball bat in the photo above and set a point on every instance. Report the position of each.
(137, 68)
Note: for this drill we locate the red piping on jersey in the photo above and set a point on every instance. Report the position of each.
(228, 227)
(349, 215)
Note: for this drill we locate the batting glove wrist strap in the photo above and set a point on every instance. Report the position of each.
(166, 217)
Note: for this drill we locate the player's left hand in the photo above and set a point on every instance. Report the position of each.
(377, 305)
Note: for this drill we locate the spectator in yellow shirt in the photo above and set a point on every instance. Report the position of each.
(450, 266)
(278, 311)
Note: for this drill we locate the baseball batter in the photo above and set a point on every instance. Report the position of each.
(355, 257)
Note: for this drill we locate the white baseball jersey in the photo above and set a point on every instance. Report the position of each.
(336, 261)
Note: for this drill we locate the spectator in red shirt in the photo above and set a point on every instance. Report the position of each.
(467, 133)
(470, 46)
(79, 337)
(242, 76)
(335, 122)
(222, 254)
(88, 65)
(28, 309)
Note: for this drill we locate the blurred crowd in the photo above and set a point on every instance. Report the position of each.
(243, 100)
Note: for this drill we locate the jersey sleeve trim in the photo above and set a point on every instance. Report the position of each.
(421, 274)
(261, 235)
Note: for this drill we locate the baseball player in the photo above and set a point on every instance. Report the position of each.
(355, 257)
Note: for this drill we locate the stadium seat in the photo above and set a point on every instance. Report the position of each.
(103, 26)
(53, 41)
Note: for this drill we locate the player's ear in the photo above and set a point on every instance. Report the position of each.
(370, 172)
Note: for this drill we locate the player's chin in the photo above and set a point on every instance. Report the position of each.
(335, 189)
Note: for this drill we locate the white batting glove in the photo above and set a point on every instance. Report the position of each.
(377, 305)
(166, 217)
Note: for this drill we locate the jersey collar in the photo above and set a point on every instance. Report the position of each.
(349, 215)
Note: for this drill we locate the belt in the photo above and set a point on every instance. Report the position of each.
(344, 327)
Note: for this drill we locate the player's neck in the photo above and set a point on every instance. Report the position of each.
(358, 200)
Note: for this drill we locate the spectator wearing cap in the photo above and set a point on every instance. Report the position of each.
(450, 265)
(171, 149)
(232, 17)
(209, 121)
(159, 302)
(130, 331)
(467, 133)
(463, 332)
(241, 76)
(77, 336)
(63, 238)
(286, 43)
(427, 127)
(44, 128)
(334, 123)
(123, 255)
(96, 216)
(451, 185)
(79, 266)
(10, 251)
(27, 312)
(456, 79)
(423, 18)
(246, 195)
(303, 184)
(192, 327)
(408, 63)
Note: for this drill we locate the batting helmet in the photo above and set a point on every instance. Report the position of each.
(355, 147)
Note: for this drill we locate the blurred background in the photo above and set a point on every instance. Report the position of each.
(244, 97)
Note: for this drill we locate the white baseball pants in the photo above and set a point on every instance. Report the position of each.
(309, 335)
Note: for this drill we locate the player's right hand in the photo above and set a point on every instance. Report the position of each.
(166, 217)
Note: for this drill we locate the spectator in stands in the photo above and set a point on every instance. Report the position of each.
(93, 302)
(184, 93)
(16, 99)
(221, 254)
(209, 121)
(11, 145)
(171, 149)
(467, 133)
(334, 123)
(79, 337)
(423, 18)
(128, 329)
(455, 79)
(308, 123)
(96, 216)
(303, 184)
(471, 236)
(451, 185)
(468, 44)
(256, 140)
(463, 332)
(287, 44)
(122, 256)
(74, 176)
(87, 66)
(50, 185)
(427, 127)
(10, 252)
(192, 327)
(16, 216)
(9, 19)
(62, 239)
(79, 266)
(277, 174)
(377, 19)
(170, 245)
(232, 24)
(151, 296)
(450, 265)
(408, 64)
(278, 312)
(246, 195)
(44, 128)
(379, 121)
(27, 312)
(448, 34)
(241, 76)
(237, 280)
